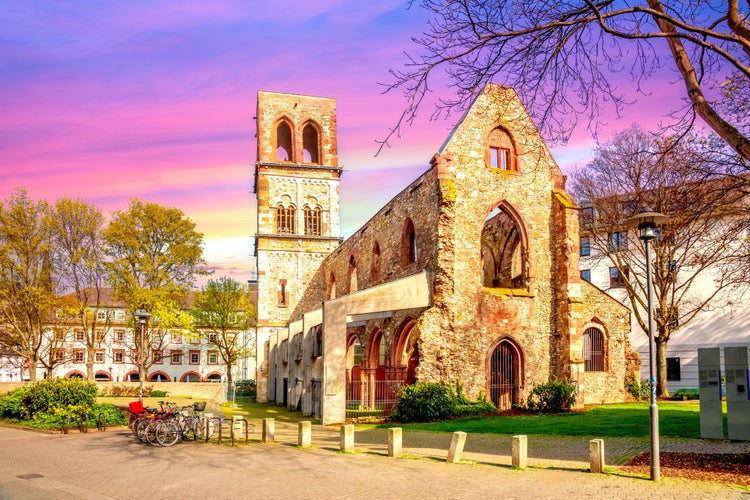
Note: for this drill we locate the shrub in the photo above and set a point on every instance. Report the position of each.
(424, 402)
(10, 404)
(114, 415)
(245, 388)
(45, 396)
(475, 408)
(681, 394)
(158, 394)
(640, 390)
(555, 395)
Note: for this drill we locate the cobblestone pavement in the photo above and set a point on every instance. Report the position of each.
(113, 464)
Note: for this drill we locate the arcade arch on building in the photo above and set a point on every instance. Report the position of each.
(283, 141)
(310, 143)
(190, 377)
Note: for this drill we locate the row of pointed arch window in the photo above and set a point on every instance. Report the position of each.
(408, 256)
(286, 220)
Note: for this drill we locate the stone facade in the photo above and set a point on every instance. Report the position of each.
(491, 225)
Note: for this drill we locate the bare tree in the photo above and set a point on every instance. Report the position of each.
(77, 235)
(636, 170)
(562, 57)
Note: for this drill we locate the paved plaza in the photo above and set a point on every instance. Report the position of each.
(113, 464)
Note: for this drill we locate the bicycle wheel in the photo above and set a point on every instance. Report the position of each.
(203, 426)
(140, 429)
(151, 431)
(168, 433)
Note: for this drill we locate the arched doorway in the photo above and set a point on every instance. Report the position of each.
(505, 374)
(405, 352)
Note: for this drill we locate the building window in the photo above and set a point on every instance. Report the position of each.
(101, 336)
(358, 351)
(586, 216)
(593, 350)
(618, 241)
(213, 357)
(585, 246)
(285, 219)
(158, 357)
(120, 336)
(586, 274)
(58, 356)
(101, 315)
(118, 355)
(79, 355)
(195, 357)
(617, 279)
(352, 274)
(119, 315)
(409, 244)
(673, 321)
(501, 151)
(175, 357)
(79, 336)
(312, 221)
(176, 338)
(310, 145)
(59, 335)
(283, 294)
(332, 287)
(673, 369)
(283, 142)
(375, 263)
(99, 356)
(213, 338)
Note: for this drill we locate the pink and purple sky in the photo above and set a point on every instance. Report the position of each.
(155, 99)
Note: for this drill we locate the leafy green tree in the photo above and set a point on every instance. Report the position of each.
(154, 255)
(27, 290)
(565, 57)
(77, 229)
(223, 314)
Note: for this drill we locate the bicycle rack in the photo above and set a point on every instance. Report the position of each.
(218, 421)
(101, 422)
(246, 426)
(84, 427)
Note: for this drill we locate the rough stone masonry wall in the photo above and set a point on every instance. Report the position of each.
(472, 319)
(613, 319)
(417, 202)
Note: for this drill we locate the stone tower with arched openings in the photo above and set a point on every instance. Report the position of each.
(297, 188)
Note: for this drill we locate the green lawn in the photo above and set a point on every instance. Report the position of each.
(621, 420)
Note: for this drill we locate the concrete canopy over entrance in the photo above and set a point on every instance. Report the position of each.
(407, 293)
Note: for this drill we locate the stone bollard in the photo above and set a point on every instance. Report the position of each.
(457, 447)
(394, 442)
(596, 455)
(520, 452)
(304, 435)
(268, 430)
(347, 438)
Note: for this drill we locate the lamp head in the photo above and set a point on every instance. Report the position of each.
(646, 221)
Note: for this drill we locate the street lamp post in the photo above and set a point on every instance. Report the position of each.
(142, 317)
(646, 221)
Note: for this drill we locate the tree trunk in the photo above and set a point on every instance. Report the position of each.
(90, 365)
(32, 362)
(662, 390)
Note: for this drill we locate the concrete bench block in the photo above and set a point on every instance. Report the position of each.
(395, 448)
(304, 434)
(269, 427)
(596, 455)
(520, 452)
(457, 447)
(347, 438)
